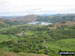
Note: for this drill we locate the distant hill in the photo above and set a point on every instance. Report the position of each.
(49, 18)
(23, 18)
(57, 18)
(1, 21)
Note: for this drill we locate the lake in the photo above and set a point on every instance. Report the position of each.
(39, 23)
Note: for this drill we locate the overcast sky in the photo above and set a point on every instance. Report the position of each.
(23, 7)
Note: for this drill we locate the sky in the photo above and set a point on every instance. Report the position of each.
(24, 7)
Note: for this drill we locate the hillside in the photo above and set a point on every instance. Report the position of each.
(20, 39)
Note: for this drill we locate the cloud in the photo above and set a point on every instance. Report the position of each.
(22, 7)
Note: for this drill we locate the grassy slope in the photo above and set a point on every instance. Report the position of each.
(31, 54)
(4, 52)
(7, 38)
(7, 53)
(64, 44)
